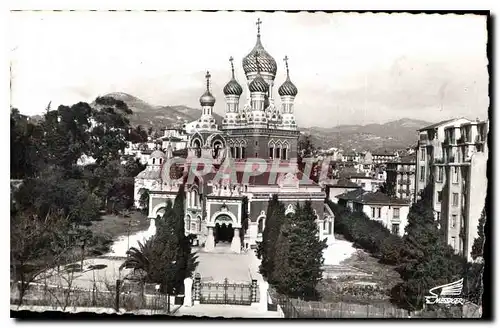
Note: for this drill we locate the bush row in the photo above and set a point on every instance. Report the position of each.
(370, 235)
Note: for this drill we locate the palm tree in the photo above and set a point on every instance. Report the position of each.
(139, 258)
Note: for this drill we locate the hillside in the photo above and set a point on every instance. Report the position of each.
(388, 136)
(158, 117)
(392, 135)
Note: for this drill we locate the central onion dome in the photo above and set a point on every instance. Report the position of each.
(266, 61)
(232, 87)
(258, 84)
(287, 88)
(207, 99)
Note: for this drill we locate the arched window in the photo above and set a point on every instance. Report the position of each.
(277, 152)
(153, 161)
(187, 223)
(284, 153)
(237, 154)
(261, 224)
(243, 152)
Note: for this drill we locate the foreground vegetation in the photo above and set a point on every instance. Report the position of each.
(56, 212)
(422, 258)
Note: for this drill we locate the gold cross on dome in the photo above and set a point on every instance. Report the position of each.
(258, 25)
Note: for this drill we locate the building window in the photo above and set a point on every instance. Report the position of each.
(376, 212)
(453, 220)
(256, 143)
(330, 225)
(277, 152)
(440, 174)
(232, 151)
(324, 225)
(422, 173)
(271, 152)
(256, 155)
(284, 154)
(438, 216)
(243, 155)
(395, 228)
(422, 154)
(237, 153)
(455, 199)
(395, 213)
(454, 243)
(454, 171)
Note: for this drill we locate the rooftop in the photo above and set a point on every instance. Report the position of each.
(438, 124)
(344, 183)
(365, 197)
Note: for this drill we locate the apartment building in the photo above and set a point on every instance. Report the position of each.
(401, 175)
(452, 156)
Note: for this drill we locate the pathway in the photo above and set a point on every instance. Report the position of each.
(226, 311)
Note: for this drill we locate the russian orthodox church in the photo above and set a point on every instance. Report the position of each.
(227, 210)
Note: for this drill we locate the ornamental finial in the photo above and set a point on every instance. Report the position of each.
(207, 76)
(258, 26)
(286, 64)
(232, 66)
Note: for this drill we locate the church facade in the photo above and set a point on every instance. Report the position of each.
(231, 171)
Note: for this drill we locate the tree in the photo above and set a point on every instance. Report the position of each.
(25, 156)
(37, 244)
(477, 246)
(66, 134)
(428, 261)
(274, 219)
(303, 267)
(109, 131)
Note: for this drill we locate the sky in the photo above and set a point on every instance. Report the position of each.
(349, 68)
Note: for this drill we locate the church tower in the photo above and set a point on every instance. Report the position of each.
(287, 92)
(232, 92)
(262, 130)
(207, 102)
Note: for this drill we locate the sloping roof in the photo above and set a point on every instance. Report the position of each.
(435, 125)
(345, 183)
(365, 197)
(149, 174)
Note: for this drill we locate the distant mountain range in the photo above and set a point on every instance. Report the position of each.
(158, 116)
(373, 137)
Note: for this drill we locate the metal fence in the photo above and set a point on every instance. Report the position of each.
(120, 296)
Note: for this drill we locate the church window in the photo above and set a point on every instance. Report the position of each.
(153, 161)
(232, 151)
(237, 154)
(278, 150)
(242, 152)
(284, 154)
(271, 152)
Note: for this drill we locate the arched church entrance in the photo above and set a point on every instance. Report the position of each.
(223, 231)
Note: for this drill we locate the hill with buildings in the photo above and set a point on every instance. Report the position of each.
(392, 135)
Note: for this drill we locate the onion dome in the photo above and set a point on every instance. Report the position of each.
(232, 87)
(207, 99)
(266, 61)
(258, 84)
(287, 88)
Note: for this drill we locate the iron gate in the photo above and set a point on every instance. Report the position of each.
(225, 292)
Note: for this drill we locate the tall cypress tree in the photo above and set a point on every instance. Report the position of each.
(477, 246)
(274, 219)
(428, 261)
(300, 254)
